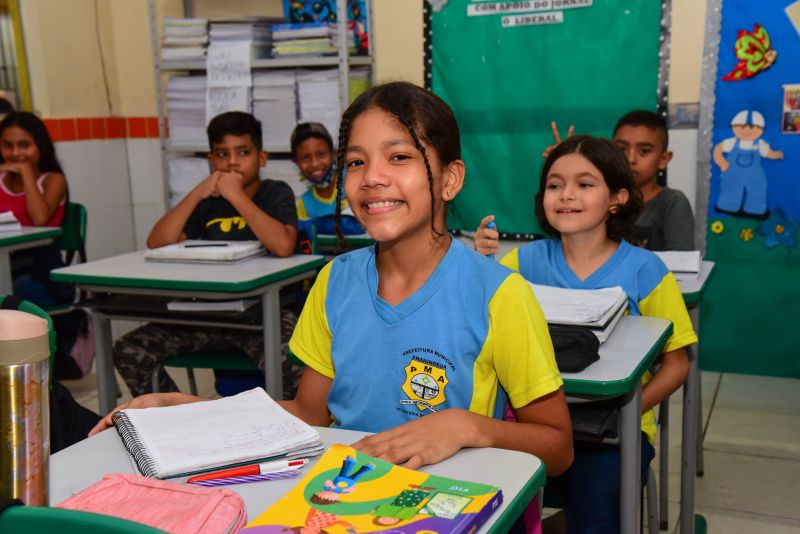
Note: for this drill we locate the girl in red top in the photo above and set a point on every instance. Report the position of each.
(33, 187)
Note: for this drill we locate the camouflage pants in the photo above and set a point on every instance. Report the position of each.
(137, 353)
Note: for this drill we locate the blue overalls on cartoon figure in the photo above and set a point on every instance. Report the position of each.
(744, 185)
(344, 481)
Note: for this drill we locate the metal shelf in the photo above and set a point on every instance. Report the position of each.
(273, 63)
(341, 61)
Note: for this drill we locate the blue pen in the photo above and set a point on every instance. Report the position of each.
(491, 225)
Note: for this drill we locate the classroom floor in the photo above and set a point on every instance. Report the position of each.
(752, 449)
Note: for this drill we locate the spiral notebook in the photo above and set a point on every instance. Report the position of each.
(176, 441)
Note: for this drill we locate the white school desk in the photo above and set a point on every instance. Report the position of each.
(520, 475)
(131, 274)
(624, 357)
(27, 237)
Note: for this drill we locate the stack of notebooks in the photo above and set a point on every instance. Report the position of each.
(186, 108)
(184, 39)
(206, 251)
(177, 441)
(347, 491)
(684, 264)
(318, 94)
(275, 105)
(597, 309)
(257, 32)
(307, 39)
(9, 222)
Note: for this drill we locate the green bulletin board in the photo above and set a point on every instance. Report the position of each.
(510, 68)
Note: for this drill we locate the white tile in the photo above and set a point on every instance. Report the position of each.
(682, 171)
(109, 231)
(97, 172)
(765, 394)
(146, 173)
(745, 483)
(719, 521)
(755, 433)
(145, 217)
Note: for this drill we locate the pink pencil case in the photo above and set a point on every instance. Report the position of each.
(170, 506)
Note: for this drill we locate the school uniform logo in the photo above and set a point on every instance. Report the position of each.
(424, 384)
(226, 224)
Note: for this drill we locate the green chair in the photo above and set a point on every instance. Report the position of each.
(72, 242)
(43, 520)
(225, 360)
(73, 237)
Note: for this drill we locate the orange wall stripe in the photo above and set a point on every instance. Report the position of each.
(101, 128)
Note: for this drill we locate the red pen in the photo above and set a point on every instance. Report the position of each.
(255, 469)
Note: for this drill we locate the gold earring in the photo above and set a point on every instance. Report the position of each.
(447, 193)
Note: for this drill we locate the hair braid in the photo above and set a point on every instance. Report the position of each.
(344, 135)
(421, 148)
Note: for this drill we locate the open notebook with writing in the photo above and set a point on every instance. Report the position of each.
(190, 438)
(597, 309)
(201, 251)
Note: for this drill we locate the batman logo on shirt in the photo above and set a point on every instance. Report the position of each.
(226, 224)
(425, 384)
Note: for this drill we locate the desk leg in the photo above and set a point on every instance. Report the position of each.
(694, 313)
(689, 443)
(273, 370)
(106, 387)
(6, 283)
(630, 461)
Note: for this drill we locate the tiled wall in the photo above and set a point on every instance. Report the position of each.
(101, 128)
(113, 167)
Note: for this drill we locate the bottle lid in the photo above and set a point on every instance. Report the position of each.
(17, 325)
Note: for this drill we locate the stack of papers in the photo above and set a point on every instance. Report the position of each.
(685, 264)
(184, 39)
(202, 251)
(318, 94)
(307, 39)
(9, 222)
(300, 30)
(256, 32)
(186, 108)
(597, 309)
(181, 440)
(275, 105)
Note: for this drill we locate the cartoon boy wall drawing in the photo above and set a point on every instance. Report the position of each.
(743, 183)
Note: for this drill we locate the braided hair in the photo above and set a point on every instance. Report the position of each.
(424, 115)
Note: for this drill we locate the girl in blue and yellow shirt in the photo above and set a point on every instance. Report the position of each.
(588, 203)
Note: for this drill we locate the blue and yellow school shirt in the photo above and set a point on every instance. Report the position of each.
(311, 205)
(651, 288)
(471, 337)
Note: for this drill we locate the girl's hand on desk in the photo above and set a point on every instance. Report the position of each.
(428, 440)
(486, 239)
(151, 400)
